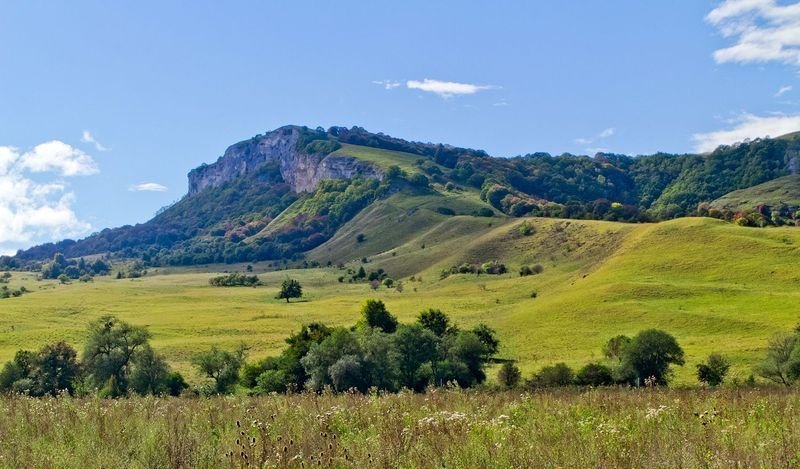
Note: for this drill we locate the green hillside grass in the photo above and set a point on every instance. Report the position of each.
(382, 158)
(781, 191)
(715, 286)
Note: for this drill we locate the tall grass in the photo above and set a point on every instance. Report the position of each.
(450, 428)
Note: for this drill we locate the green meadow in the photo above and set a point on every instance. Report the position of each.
(715, 286)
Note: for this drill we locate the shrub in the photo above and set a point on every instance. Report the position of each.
(509, 375)
(235, 280)
(782, 363)
(526, 229)
(553, 376)
(713, 371)
(594, 374)
(494, 268)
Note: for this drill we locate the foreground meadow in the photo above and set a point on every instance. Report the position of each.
(443, 428)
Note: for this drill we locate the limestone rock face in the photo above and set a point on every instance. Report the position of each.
(300, 170)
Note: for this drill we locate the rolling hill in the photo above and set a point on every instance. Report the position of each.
(714, 285)
(784, 191)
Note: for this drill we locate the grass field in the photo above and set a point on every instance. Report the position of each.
(597, 428)
(781, 191)
(715, 286)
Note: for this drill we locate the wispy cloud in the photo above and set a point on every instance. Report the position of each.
(387, 84)
(747, 126)
(762, 30)
(607, 132)
(446, 89)
(147, 187)
(40, 209)
(87, 137)
(603, 134)
(783, 90)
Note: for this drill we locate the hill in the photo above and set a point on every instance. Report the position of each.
(784, 191)
(281, 195)
(714, 285)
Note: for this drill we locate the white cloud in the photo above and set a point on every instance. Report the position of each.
(32, 210)
(747, 126)
(446, 89)
(605, 133)
(87, 137)
(783, 90)
(387, 84)
(147, 187)
(55, 155)
(763, 31)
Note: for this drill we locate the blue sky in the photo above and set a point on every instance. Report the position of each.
(105, 106)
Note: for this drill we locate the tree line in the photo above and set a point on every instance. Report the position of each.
(378, 352)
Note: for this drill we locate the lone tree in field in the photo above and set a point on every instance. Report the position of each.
(290, 288)
(649, 355)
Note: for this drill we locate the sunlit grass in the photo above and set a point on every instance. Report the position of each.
(715, 286)
(443, 428)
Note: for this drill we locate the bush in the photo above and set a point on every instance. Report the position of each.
(235, 280)
(594, 374)
(553, 376)
(446, 211)
(526, 270)
(494, 268)
(713, 371)
(509, 375)
(526, 229)
(419, 180)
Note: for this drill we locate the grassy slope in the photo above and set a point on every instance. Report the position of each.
(716, 286)
(382, 158)
(462, 201)
(785, 190)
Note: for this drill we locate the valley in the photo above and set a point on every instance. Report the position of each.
(715, 286)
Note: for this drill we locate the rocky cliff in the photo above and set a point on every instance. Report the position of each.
(300, 169)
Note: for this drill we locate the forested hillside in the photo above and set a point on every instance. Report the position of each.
(281, 194)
